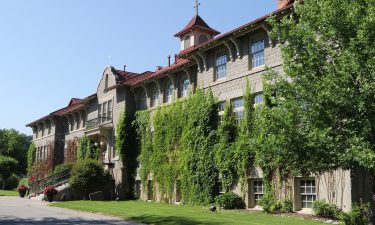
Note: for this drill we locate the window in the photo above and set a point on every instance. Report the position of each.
(48, 127)
(155, 97)
(238, 109)
(258, 98)
(106, 81)
(257, 53)
(36, 132)
(150, 187)
(78, 120)
(221, 110)
(42, 130)
(258, 191)
(138, 189)
(187, 42)
(184, 88)
(202, 39)
(104, 112)
(143, 100)
(221, 66)
(100, 111)
(169, 93)
(308, 192)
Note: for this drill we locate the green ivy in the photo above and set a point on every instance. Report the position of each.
(87, 149)
(30, 157)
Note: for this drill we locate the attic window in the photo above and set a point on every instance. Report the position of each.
(106, 81)
(202, 39)
(187, 42)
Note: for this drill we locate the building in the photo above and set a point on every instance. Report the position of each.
(207, 60)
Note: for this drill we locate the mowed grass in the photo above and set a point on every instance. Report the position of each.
(164, 214)
(8, 193)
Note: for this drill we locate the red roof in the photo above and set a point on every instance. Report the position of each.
(197, 23)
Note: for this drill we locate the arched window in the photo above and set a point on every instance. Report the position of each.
(184, 88)
(83, 116)
(48, 127)
(187, 42)
(202, 39)
(169, 91)
(77, 120)
(155, 97)
(42, 130)
(142, 100)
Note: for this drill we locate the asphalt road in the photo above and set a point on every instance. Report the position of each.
(18, 211)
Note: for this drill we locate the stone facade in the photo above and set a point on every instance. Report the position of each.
(97, 115)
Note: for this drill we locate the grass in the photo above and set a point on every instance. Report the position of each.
(164, 214)
(8, 193)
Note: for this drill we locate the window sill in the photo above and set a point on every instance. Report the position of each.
(258, 68)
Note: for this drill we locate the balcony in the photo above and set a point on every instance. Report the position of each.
(97, 122)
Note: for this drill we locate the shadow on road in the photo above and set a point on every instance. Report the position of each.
(53, 221)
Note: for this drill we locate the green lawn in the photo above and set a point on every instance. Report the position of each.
(8, 193)
(163, 214)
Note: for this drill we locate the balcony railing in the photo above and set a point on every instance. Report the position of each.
(54, 180)
(95, 123)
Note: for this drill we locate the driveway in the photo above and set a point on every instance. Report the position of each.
(18, 211)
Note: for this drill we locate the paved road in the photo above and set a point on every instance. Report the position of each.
(17, 211)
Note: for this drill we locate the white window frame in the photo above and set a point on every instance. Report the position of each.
(155, 97)
(221, 61)
(238, 110)
(169, 92)
(257, 53)
(258, 191)
(185, 87)
(307, 191)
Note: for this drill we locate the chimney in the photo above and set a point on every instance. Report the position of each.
(158, 68)
(175, 58)
(169, 60)
(124, 68)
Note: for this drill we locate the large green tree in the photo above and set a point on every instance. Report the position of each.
(15, 144)
(8, 166)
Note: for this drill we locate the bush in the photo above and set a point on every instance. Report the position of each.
(88, 176)
(286, 206)
(230, 200)
(12, 182)
(358, 215)
(61, 167)
(270, 204)
(326, 210)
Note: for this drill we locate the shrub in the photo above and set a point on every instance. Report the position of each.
(12, 182)
(286, 206)
(230, 200)
(358, 215)
(88, 176)
(326, 210)
(270, 204)
(62, 167)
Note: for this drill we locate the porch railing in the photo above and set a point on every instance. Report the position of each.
(54, 180)
(94, 123)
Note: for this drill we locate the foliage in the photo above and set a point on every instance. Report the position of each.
(62, 167)
(358, 215)
(286, 206)
(71, 151)
(225, 148)
(8, 166)
(14, 144)
(88, 176)
(87, 149)
(269, 203)
(181, 147)
(230, 200)
(331, 65)
(125, 148)
(323, 209)
(12, 182)
(30, 157)
(50, 190)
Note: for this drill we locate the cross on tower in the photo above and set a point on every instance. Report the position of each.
(197, 4)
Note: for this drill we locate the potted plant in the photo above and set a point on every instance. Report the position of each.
(49, 192)
(22, 190)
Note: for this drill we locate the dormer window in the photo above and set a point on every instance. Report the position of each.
(187, 42)
(202, 39)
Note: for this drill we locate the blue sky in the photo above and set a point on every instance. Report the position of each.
(51, 51)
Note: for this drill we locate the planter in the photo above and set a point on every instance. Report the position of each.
(22, 193)
(50, 197)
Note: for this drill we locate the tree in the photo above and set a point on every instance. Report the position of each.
(328, 51)
(15, 144)
(8, 166)
(30, 157)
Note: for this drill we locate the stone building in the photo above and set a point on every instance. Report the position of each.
(206, 60)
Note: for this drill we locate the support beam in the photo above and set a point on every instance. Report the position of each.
(237, 44)
(231, 55)
(198, 63)
(204, 59)
(267, 28)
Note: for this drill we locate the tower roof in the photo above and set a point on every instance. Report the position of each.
(197, 23)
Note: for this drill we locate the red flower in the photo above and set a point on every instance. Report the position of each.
(50, 190)
(22, 188)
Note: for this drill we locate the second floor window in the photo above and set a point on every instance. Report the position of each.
(257, 53)
(184, 88)
(258, 98)
(169, 93)
(143, 101)
(238, 109)
(155, 97)
(105, 111)
(221, 110)
(187, 42)
(221, 66)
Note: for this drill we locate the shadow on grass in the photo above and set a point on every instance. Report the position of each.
(169, 220)
(4, 220)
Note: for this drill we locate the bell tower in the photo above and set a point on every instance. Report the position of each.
(196, 32)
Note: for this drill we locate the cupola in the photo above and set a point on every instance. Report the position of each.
(283, 3)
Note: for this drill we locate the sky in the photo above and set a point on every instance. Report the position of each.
(52, 51)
